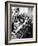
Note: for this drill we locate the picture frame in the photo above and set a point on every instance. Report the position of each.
(18, 29)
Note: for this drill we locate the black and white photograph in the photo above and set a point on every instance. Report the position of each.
(21, 22)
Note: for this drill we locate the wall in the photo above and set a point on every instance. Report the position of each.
(2, 23)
